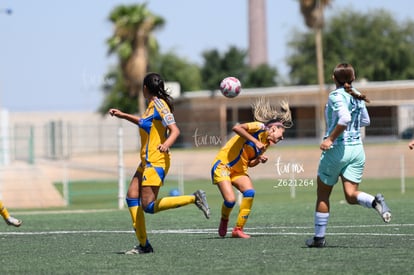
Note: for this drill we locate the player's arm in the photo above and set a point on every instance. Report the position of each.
(174, 132)
(411, 144)
(256, 161)
(327, 142)
(337, 131)
(365, 120)
(343, 121)
(242, 130)
(168, 121)
(120, 114)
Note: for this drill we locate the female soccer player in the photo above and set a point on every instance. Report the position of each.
(7, 218)
(343, 153)
(158, 132)
(242, 151)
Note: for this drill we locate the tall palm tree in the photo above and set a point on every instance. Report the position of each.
(312, 11)
(131, 40)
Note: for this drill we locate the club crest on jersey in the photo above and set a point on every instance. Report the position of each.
(169, 119)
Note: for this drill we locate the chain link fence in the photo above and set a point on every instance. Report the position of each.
(41, 152)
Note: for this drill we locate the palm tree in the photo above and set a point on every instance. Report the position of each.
(132, 40)
(312, 11)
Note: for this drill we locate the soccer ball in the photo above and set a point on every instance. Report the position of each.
(230, 87)
(174, 192)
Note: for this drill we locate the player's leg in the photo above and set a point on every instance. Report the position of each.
(7, 218)
(329, 170)
(220, 176)
(137, 215)
(354, 196)
(245, 186)
(152, 181)
(321, 216)
(132, 197)
(154, 206)
(352, 177)
(229, 200)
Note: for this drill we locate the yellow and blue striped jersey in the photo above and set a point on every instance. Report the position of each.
(238, 151)
(153, 131)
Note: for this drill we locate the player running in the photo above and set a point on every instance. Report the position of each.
(343, 153)
(158, 132)
(7, 218)
(246, 149)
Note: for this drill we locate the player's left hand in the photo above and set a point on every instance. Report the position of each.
(262, 158)
(326, 145)
(163, 148)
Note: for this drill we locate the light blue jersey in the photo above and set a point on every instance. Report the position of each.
(342, 108)
(347, 156)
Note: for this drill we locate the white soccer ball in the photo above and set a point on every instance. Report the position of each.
(230, 87)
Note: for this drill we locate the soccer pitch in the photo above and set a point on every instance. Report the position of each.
(90, 241)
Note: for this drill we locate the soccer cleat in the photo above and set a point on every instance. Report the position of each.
(222, 231)
(139, 249)
(238, 233)
(318, 242)
(382, 208)
(201, 202)
(13, 221)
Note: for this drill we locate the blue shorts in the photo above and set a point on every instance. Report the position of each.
(348, 161)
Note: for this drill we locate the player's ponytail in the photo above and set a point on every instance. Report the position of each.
(344, 75)
(156, 87)
(267, 114)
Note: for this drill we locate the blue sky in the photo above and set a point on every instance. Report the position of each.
(53, 53)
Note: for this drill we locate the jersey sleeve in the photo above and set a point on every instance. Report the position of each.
(339, 106)
(255, 126)
(365, 119)
(164, 111)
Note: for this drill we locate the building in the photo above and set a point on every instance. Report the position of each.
(205, 118)
(208, 116)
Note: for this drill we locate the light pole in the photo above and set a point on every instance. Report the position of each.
(4, 122)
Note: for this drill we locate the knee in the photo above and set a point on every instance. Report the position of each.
(132, 193)
(149, 208)
(351, 198)
(249, 193)
(229, 204)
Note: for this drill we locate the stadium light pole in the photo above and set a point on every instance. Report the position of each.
(8, 12)
(4, 118)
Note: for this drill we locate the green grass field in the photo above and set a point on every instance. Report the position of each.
(88, 237)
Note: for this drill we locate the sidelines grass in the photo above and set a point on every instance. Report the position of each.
(91, 194)
(90, 241)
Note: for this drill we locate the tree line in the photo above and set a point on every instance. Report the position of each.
(375, 42)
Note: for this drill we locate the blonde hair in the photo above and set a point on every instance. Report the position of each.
(266, 113)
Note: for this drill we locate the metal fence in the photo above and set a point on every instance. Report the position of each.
(40, 154)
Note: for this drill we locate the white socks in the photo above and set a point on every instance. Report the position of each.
(321, 221)
(365, 199)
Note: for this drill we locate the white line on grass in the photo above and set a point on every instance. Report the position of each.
(82, 211)
(338, 226)
(252, 231)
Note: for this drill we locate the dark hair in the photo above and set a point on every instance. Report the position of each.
(155, 86)
(344, 75)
